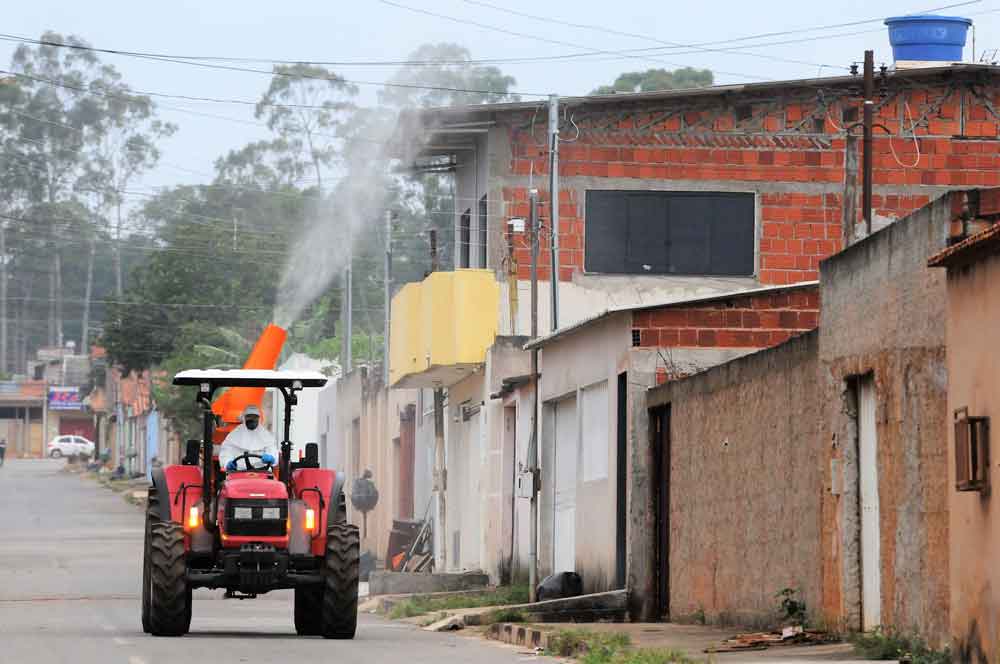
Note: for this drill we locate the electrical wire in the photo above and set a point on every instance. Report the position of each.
(476, 61)
(619, 33)
(557, 42)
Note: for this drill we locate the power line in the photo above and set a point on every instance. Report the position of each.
(633, 35)
(337, 79)
(557, 42)
(473, 61)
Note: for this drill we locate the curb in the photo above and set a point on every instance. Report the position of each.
(519, 635)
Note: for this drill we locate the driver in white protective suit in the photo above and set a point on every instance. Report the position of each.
(249, 437)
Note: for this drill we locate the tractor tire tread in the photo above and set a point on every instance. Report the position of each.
(152, 513)
(309, 611)
(340, 592)
(170, 597)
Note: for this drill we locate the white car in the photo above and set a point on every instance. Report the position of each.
(62, 446)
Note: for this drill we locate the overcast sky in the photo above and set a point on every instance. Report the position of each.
(370, 29)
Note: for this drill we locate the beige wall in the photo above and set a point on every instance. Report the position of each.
(974, 382)
(745, 485)
(362, 398)
(883, 313)
(575, 362)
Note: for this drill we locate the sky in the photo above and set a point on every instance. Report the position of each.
(378, 30)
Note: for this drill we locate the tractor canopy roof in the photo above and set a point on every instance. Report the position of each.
(217, 378)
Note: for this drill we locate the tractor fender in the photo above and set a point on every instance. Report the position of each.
(177, 487)
(338, 501)
(160, 486)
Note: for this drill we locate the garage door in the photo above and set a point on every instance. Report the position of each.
(565, 465)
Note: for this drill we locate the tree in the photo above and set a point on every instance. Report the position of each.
(122, 146)
(652, 80)
(303, 106)
(202, 346)
(447, 67)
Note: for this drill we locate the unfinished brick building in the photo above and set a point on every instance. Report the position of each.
(693, 192)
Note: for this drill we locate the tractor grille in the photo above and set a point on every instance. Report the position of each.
(255, 518)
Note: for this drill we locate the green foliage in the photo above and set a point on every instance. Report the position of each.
(199, 346)
(575, 642)
(505, 616)
(793, 609)
(896, 645)
(652, 80)
(594, 647)
(418, 606)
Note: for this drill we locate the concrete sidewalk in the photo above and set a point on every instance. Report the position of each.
(692, 640)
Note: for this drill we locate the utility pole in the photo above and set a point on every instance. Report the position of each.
(533, 441)
(440, 472)
(346, 304)
(554, 206)
(3, 297)
(387, 294)
(868, 121)
(512, 276)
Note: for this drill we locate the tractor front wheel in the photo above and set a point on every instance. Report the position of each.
(152, 502)
(169, 594)
(309, 611)
(340, 589)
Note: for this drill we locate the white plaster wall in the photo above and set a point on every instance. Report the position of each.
(595, 354)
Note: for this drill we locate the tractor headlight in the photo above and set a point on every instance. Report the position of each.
(194, 518)
(273, 513)
(242, 512)
(310, 520)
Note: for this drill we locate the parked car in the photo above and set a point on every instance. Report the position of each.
(62, 446)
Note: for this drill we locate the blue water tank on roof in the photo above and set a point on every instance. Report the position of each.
(927, 37)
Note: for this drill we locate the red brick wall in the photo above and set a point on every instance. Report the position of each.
(756, 321)
(786, 137)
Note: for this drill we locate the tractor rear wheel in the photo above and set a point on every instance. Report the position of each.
(152, 505)
(309, 611)
(340, 591)
(170, 596)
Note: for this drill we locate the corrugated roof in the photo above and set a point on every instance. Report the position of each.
(579, 325)
(968, 250)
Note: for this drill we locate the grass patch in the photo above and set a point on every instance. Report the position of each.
(608, 648)
(892, 644)
(418, 606)
(505, 616)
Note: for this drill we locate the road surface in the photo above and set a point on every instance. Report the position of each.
(70, 563)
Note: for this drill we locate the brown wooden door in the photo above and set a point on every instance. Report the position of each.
(407, 445)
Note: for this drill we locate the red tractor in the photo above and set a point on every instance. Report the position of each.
(252, 530)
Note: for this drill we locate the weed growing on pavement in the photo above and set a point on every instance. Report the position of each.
(792, 608)
(575, 642)
(608, 648)
(505, 616)
(418, 606)
(891, 644)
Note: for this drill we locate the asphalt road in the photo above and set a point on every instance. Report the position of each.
(70, 563)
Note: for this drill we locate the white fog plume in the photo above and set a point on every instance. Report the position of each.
(320, 254)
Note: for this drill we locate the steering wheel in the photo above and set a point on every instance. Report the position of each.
(245, 458)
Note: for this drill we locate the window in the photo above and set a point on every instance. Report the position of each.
(464, 239)
(658, 232)
(972, 451)
(482, 232)
(595, 432)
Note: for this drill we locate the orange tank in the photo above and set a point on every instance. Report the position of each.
(230, 404)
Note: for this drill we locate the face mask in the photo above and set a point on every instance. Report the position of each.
(251, 424)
